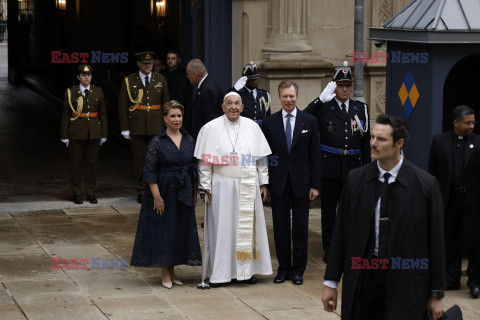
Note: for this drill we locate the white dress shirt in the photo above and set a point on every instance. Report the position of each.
(393, 173)
(292, 119)
(82, 89)
(143, 76)
(347, 104)
(254, 91)
(393, 176)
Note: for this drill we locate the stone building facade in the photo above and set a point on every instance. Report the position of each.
(303, 40)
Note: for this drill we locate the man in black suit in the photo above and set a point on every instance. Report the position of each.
(207, 104)
(449, 155)
(388, 238)
(344, 139)
(294, 174)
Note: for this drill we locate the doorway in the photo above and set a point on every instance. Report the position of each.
(461, 87)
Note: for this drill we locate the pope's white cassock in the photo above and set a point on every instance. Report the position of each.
(232, 166)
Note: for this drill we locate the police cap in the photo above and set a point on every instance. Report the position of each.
(343, 73)
(250, 71)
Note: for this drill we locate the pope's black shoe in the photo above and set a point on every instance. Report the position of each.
(252, 280)
(217, 285)
(140, 198)
(92, 199)
(474, 291)
(298, 280)
(77, 200)
(280, 278)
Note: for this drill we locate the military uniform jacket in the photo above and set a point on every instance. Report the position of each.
(339, 132)
(85, 128)
(253, 109)
(142, 122)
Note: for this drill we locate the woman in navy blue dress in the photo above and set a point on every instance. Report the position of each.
(167, 230)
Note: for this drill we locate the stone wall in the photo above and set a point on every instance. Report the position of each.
(303, 40)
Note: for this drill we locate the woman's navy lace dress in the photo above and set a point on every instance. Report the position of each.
(169, 239)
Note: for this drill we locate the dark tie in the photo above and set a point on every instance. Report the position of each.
(288, 132)
(86, 93)
(344, 110)
(384, 225)
(146, 82)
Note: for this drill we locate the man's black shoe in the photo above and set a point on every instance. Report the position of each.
(298, 280)
(474, 291)
(77, 200)
(140, 198)
(252, 280)
(92, 199)
(280, 278)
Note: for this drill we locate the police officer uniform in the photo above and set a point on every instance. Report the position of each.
(257, 101)
(345, 144)
(140, 112)
(84, 127)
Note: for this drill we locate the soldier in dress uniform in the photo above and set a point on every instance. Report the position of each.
(84, 129)
(256, 101)
(344, 141)
(140, 110)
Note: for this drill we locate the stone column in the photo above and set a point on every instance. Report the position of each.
(287, 27)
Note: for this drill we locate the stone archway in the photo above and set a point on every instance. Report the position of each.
(462, 86)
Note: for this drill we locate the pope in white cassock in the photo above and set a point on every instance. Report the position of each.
(233, 171)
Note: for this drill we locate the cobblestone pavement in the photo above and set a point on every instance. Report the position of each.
(32, 289)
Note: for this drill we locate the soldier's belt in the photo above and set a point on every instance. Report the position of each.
(148, 108)
(344, 152)
(86, 115)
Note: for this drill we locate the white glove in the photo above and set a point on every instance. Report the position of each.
(66, 141)
(328, 93)
(126, 134)
(103, 140)
(240, 83)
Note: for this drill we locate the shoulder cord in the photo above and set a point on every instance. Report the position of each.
(79, 105)
(362, 130)
(136, 101)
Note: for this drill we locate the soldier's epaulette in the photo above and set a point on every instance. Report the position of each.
(133, 74)
(360, 102)
(262, 90)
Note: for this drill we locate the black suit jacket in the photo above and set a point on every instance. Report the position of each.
(302, 163)
(336, 132)
(441, 159)
(207, 104)
(416, 231)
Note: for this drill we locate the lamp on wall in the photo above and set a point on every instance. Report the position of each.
(22, 4)
(62, 5)
(161, 6)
